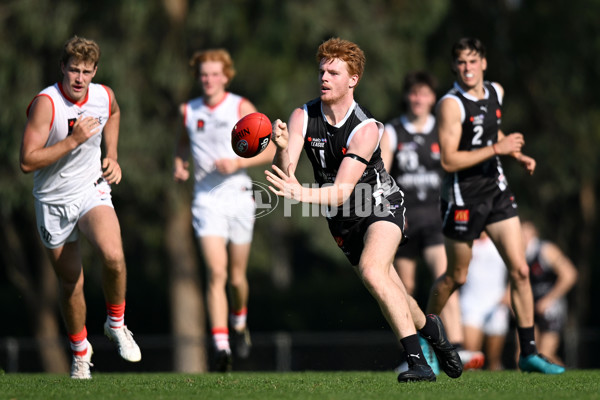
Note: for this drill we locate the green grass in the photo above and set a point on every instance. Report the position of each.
(513, 385)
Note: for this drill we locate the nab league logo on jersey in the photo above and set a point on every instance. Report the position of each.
(200, 125)
(317, 142)
(477, 119)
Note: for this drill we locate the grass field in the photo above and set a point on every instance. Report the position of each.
(513, 385)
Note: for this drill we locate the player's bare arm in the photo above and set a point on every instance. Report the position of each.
(363, 144)
(387, 154)
(110, 166)
(566, 274)
(34, 155)
(289, 141)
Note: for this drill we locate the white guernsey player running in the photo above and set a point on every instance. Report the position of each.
(223, 206)
(66, 124)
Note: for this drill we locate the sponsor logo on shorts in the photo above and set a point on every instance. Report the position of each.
(47, 236)
(339, 240)
(461, 216)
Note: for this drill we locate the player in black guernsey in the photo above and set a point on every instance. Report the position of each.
(411, 153)
(366, 214)
(475, 196)
(552, 275)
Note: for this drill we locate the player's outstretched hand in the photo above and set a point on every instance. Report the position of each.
(283, 184)
(280, 134)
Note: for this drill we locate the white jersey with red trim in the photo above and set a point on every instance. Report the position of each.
(71, 176)
(209, 129)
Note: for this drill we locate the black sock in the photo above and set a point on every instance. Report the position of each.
(527, 341)
(430, 330)
(412, 348)
(457, 346)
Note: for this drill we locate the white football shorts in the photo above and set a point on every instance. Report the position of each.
(224, 213)
(57, 223)
(492, 319)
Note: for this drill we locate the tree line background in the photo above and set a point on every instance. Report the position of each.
(546, 55)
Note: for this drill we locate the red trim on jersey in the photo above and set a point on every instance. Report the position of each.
(218, 104)
(51, 102)
(185, 107)
(109, 100)
(82, 102)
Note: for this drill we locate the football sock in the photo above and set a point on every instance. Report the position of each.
(116, 315)
(221, 338)
(457, 346)
(526, 341)
(238, 319)
(79, 343)
(430, 330)
(412, 348)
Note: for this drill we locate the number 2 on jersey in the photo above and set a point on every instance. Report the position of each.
(478, 131)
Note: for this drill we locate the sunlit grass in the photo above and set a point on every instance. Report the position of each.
(510, 385)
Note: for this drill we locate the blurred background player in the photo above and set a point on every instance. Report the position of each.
(484, 303)
(365, 211)
(475, 195)
(223, 205)
(552, 275)
(66, 125)
(411, 154)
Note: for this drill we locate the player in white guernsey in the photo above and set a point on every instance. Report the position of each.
(223, 207)
(484, 303)
(475, 194)
(66, 124)
(341, 140)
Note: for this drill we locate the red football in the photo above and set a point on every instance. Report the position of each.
(251, 135)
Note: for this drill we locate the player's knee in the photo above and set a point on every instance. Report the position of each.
(113, 257)
(459, 281)
(520, 274)
(71, 284)
(217, 276)
(454, 281)
(371, 276)
(238, 280)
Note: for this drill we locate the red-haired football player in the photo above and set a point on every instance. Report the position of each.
(223, 206)
(365, 206)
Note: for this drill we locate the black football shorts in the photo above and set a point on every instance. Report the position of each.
(465, 223)
(349, 233)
